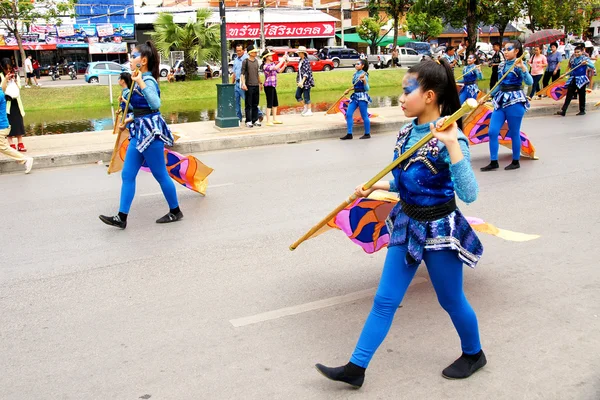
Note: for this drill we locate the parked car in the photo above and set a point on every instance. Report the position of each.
(340, 56)
(315, 63)
(201, 70)
(163, 69)
(102, 68)
(423, 48)
(406, 58)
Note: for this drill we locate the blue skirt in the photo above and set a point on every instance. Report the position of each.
(150, 127)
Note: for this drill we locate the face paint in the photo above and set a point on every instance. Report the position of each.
(411, 85)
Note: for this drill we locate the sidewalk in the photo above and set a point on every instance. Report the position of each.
(196, 137)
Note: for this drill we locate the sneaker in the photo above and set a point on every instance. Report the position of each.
(365, 137)
(113, 221)
(513, 165)
(304, 110)
(350, 373)
(465, 366)
(491, 166)
(27, 86)
(170, 217)
(308, 113)
(562, 113)
(347, 137)
(28, 164)
(257, 123)
(249, 124)
(580, 113)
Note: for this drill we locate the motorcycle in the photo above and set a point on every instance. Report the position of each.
(54, 72)
(72, 72)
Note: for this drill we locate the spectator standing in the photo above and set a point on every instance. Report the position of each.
(251, 83)
(305, 81)
(28, 71)
(36, 71)
(538, 64)
(450, 56)
(235, 79)
(271, 70)
(497, 58)
(14, 107)
(395, 58)
(568, 49)
(553, 68)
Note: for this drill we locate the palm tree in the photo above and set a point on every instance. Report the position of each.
(199, 41)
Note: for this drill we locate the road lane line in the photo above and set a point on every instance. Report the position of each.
(315, 305)
(583, 137)
(209, 186)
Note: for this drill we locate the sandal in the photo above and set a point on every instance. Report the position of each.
(21, 148)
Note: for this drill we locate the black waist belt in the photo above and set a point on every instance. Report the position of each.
(510, 88)
(469, 83)
(428, 213)
(359, 90)
(143, 111)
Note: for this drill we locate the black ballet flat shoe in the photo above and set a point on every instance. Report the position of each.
(350, 373)
(465, 366)
(347, 137)
(170, 217)
(490, 167)
(513, 165)
(561, 113)
(365, 137)
(113, 221)
(580, 113)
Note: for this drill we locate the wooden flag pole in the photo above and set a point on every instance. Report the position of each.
(467, 106)
(337, 102)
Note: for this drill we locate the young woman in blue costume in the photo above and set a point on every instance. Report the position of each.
(471, 73)
(510, 105)
(578, 80)
(426, 224)
(360, 99)
(125, 82)
(148, 137)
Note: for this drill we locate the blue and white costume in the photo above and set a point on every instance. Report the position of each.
(426, 226)
(360, 99)
(470, 90)
(577, 81)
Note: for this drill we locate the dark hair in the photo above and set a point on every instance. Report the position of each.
(239, 45)
(6, 64)
(149, 51)
(496, 44)
(580, 47)
(517, 44)
(475, 57)
(449, 48)
(439, 77)
(126, 76)
(365, 65)
(554, 44)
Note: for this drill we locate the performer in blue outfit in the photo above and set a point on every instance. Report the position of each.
(471, 73)
(578, 80)
(426, 224)
(125, 82)
(148, 138)
(510, 105)
(360, 99)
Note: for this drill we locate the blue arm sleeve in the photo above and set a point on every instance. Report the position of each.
(527, 78)
(463, 177)
(479, 74)
(393, 187)
(151, 94)
(367, 87)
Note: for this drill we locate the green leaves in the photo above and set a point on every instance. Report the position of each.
(423, 25)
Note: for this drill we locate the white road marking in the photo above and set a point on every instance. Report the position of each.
(315, 305)
(583, 137)
(181, 190)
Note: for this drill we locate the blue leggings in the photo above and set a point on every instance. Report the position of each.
(155, 159)
(446, 274)
(513, 115)
(364, 113)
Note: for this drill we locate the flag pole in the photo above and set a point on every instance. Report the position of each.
(337, 102)
(560, 77)
(467, 106)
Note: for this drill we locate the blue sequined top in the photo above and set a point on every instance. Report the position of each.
(470, 74)
(516, 77)
(579, 73)
(428, 178)
(360, 88)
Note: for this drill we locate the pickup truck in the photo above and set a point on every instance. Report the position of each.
(406, 57)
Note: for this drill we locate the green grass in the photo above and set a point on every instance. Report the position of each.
(202, 94)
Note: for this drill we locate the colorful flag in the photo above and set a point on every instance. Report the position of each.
(476, 127)
(343, 108)
(557, 90)
(465, 31)
(364, 223)
(185, 170)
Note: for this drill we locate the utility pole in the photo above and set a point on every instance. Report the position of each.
(226, 116)
(262, 25)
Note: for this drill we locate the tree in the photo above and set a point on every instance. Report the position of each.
(423, 25)
(15, 14)
(198, 40)
(369, 30)
(394, 9)
(506, 11)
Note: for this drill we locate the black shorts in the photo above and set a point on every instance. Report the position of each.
(271, 94)
(30, 75)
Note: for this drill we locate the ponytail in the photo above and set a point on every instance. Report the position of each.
(149, 51)
(438, 76)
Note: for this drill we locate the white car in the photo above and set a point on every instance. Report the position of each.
(201, 70)
(163, 69)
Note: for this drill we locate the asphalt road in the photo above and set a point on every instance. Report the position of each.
(178, 311)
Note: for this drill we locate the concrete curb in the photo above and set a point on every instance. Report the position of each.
(261, 138)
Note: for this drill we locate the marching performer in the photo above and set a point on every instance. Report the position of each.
(471, 74)
(578, 80)
(510, 105)
(426, 224)
(360, 99)
(148, 137)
